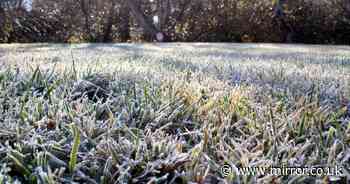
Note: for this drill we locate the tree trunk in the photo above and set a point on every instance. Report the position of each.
(107, 28)
(124, 23)
(280, 17)
(142, 20)
(85, 8)
(2, 24)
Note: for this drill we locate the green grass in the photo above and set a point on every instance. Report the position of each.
(171, 113)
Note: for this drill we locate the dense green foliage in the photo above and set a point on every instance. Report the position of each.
(298, 21)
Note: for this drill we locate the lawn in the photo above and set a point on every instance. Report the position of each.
(172, 113)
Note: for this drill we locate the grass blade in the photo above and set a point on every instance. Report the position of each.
(75, 149)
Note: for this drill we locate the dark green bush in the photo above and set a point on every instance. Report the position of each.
(299, 21)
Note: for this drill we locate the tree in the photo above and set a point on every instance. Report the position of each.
(280, 18)
(85, 6)
(323, 21)
(142, 20)
(124, 22)
(110, 19)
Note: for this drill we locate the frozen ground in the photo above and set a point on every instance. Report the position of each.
(172, 112)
